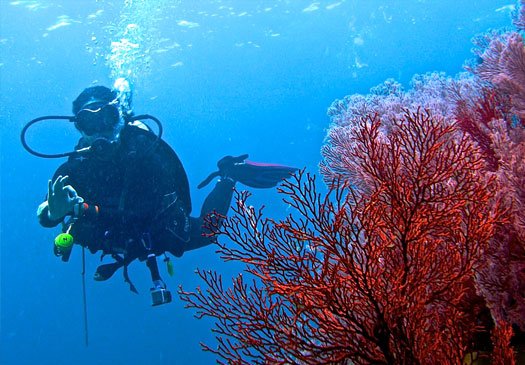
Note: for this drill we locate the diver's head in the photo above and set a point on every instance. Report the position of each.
(97, 113)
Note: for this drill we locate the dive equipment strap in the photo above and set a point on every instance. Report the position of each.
(125, 262)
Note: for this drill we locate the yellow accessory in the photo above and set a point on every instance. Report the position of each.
(169, 265)
(64, 241)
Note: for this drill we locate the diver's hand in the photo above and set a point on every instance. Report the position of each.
(61, 198)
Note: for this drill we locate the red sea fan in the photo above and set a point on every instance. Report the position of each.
(377, 277)
(502, 336)
(474, 113)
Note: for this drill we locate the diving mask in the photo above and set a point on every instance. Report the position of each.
(97, 117)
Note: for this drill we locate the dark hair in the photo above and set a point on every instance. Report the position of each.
(93, 93)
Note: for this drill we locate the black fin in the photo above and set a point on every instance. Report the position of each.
(253, 174)
(104, 272)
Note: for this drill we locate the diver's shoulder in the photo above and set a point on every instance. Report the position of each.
(140, 137)
(136, 128)
(137, 135)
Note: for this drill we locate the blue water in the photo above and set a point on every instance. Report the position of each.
(225, 77)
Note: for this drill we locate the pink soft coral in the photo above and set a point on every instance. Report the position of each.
(495, 117)
(503, 66)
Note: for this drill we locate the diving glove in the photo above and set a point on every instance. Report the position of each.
(253, 174)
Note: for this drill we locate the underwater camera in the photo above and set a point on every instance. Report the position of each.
(160, 296)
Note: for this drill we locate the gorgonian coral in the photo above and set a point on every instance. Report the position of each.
(378, 277)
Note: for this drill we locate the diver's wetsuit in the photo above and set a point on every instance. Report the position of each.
(142, 192)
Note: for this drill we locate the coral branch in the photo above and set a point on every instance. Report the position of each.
(369, 276)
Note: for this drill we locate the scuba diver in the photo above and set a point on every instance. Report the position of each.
(124, 192)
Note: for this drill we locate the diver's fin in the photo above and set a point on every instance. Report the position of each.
(208, 179)
(104, 272)
(253, 174)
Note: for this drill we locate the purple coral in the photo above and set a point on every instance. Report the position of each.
(497, 121)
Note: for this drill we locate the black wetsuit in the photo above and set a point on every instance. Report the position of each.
(141, 190)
